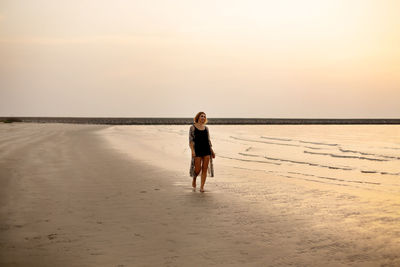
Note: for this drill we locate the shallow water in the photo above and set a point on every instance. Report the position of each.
(366, 156)
(325, 193)
(354, 156)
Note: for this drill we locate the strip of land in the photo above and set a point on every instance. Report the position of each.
(186, 121)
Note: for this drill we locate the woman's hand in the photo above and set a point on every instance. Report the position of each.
(193, 154)
(213, 154)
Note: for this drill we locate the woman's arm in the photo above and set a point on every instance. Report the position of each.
(192, 148)
(209, 141)
(191, 140)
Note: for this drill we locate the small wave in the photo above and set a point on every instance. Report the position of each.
(310, 147)
(301, 141)
(368, 171)
(249, 155)
(383, 173)
(390, 173)
(354, 151)
(265, 142)
(288, 176)
(248, 160)
(341, 182)
(343, 156)
(252, 169)
(318, 143)
(292, 161)
(367, 154)
(311, 164)
(311, 180)
(274, 138)
(336, 179)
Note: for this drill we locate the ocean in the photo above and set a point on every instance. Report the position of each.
(354, 156)
(331, 190)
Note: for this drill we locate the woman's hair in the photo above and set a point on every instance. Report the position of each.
(196, 118)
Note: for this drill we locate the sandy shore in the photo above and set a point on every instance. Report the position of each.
(67, 198)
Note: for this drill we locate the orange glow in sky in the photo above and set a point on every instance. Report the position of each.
(327, 59)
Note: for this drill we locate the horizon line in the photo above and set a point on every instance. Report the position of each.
(189, 120)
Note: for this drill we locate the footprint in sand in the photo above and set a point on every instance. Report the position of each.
(51, 236)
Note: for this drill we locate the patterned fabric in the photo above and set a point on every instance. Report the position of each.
(210, 169)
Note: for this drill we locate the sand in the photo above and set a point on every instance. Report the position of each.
(69, 198)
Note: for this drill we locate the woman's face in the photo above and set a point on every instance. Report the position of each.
(202, 118)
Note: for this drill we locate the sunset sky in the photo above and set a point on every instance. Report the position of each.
(273, 59)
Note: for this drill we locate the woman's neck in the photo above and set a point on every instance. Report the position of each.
(199, 125)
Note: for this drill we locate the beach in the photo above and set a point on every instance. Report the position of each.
(95, 195)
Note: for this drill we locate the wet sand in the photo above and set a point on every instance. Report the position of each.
(68, 198)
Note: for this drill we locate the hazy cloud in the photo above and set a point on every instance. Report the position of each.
(228, 58)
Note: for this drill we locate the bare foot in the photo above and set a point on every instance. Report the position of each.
(202, 190)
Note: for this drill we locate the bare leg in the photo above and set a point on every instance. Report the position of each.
(197, 168)
(206, 160)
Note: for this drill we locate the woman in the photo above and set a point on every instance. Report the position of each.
(202, 152)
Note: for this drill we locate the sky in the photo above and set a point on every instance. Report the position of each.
(153, 58)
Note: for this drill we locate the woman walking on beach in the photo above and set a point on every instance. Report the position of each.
(202, 152)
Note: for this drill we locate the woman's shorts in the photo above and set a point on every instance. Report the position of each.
(202, 151)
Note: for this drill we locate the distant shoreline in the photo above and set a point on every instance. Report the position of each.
(185, 121)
